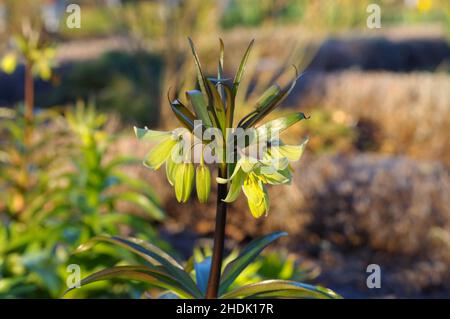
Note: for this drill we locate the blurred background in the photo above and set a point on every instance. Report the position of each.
(372, 188)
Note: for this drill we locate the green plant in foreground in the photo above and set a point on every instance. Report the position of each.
(247, 157)
(48, 207)
(96, 186)
(273, 264)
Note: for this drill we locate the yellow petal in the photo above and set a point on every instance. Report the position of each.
(9, 63)
(235, 186)
(159, 154)
(257, 198)
(170, 170)
(203, 183)
(247, 164)
(145, 134)
(277, 178)
(43, 70)
(292, 152)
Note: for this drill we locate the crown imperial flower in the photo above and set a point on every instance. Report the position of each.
(212, 108)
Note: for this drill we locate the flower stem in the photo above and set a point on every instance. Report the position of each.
(219, 238)
(29, 92)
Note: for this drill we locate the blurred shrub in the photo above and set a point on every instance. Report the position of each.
(248, 13)
(49, 205)
(329, 131)
(332, 14)
(413, 119)
(388, 203)
(28, 243)
(389, 210)
(96, 185)
(394, 206)
(96, 22)
(127, 84)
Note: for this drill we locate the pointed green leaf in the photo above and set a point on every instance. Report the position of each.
(271, 102)
(195, 97)
(220, 71)
(268, 96)
(247, 255)
(218, 107)
(230, 105)
(241, 69)
(183, 114)
(281, 289)
(200, 77)
(154, 276)
(151, 254)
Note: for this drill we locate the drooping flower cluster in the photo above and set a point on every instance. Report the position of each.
(252, 174)
(212, 108)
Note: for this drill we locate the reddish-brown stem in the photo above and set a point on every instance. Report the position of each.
(212, 289)
(29, 92)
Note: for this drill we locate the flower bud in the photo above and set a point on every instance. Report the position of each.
(184, 180)
(203, 183)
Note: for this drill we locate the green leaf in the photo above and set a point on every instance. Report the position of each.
(241, 69)
(202, 273)
(268, 96)
(230, 105)
(220, 70)
(218, 107)
(154, 276)
(200, 77)
(280, 289)
(247, 255)
(271, 100)
(142, 201)
(183, 114)
(198, 104)
(151, 254)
